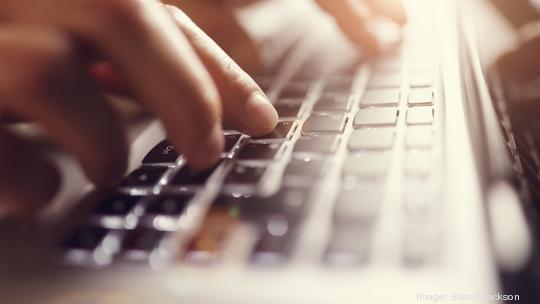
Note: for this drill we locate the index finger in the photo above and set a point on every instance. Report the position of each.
(155, 59)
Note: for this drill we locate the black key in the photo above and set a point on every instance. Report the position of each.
(334, 123)
(118, 204)
(341, 85)
(281, 130)
(164, 152)
(87, 237)
(169, 205)
(245, 175)
(322, 144)
(333, 103)
(295, 90)
(142, 239)
(259, 151)
(230, 141)
(304, 168)
(288, 109)
(187, 176)
(144, 177)
(274, 244)
(289, 203)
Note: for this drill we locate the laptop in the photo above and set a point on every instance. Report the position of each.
(387, 180)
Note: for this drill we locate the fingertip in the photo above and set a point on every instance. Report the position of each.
(209, 152)
(261, 113)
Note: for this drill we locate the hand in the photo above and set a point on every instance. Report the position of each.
(155, 53)
(350, 15)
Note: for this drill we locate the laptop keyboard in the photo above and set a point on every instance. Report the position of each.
(372, 136)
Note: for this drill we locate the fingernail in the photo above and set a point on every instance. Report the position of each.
(261, 112)
(210, 150)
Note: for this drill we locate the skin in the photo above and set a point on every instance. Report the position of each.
(59, 57)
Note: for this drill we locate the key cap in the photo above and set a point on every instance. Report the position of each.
(281, 131)
(309, 168)
(295, 90)
(421, 80)
(372, 139)
(421, 96)
(348, 248)
(288, 202)
(230, 141)
(187, 176)
(117, 204)
(142, 239)
(420, 116)
(164, 152)
(418, 163)
(273, 246)
(86, 237)
(419, 137)
(376, 117)
(169, 205)
(144, 177)
(339, 85)
(321, 144)
(254, 151)
(333, 103)
(357, 206)
(211, 237)
(385, 80)
(366, 165)
(245, 175)
(382, 97)
(334, 123)
(288, 109)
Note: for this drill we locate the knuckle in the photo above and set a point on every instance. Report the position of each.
(33, 66)
(107, 15)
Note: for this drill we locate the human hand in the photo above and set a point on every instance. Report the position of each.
(155, 53)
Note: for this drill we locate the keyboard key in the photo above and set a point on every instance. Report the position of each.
(320, 144)
(245, 175)
(169, 205)
(419, 137)
(295, 90)
(254, 151)
(144, 177)
(281, 131)
(372, 139)
(142, 239)
(334, 103)
(117, 204)
(87, 237)
(348, 248)
(187, 176)
(274, 244)
(420, 116)
(382, 97)
(288, 109)
(376, 117)
(215, 230)
(385, 80)
(230, 141)
(421, 96)
(358, 205)
(366, 165)
(287, 202)
(164, 152)
(417, 80)
(309, 168)
(340, 85)
(334, 123)
(418, 163)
